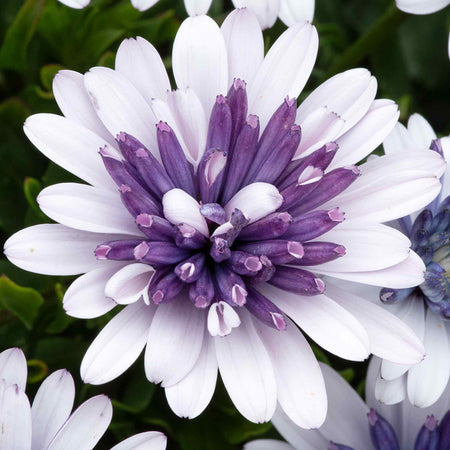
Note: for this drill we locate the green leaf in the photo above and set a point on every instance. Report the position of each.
(13, 54)
(37, 370)
(238, 430)
(138, 395)
(21, 301)
(47, 74)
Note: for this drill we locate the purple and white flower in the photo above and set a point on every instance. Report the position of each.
(352, 424)
(193, 7)
(49, 423)
(426, 308)
(289, 11)
(212, 211)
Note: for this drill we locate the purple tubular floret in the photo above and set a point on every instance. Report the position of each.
(211, 171)
(264, 310)
(381, 432)
(237, 101)
(277, 250)
(202, 292)
(190, 269)
(319, 253)
(188, 237)
(299, 281)
(270, 227)
(244, 263)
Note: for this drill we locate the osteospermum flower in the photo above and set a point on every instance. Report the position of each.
(421, 6)
(49, 423)
(352, 424)
(212, 211)
(192, 6)
(425, 308)
(289, 11)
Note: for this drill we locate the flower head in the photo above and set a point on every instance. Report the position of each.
(215, 210)
(426, 308)
(352, 424)
(49, 423)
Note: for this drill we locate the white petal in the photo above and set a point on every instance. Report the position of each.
(76, 4)
(85, 426)
(367, 247)
(367, 134)
(324, 321)
(346, 420)
(222, 318)
(428, 379)
(151, 440)
(143, 5)
(293, 11)
(390, 392)
(421, 131)
(245, 45)
(71, 146)
(139, 62)
(190, 119)
(53, 249)
(199, 59)
(296, 436)
(192, 394)
(348, 94)
(255, 200)
(266, 11)
(120, 106)
(15, 418)
(300, 385)
(196, 7)
(87, 208)
(267, 444)
(127, 285)
(13, 367)
(420, 6)
(85, 298)
(180, 207)
(118, 345)
(318, 128)
(399, 140)
(389, 337)
(51, 407)
(285, 70)
(247, 371)
(174, 341)
(74, 103)
(408, 273)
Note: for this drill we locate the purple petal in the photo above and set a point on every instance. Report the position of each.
(297, 280)
(270, 227)
(264, 310)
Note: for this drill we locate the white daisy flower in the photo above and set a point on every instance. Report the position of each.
(354, 425)
(426, 308)
(289, 11)
(421, 7)
(214, 227)
(49, 423)
(193, 7)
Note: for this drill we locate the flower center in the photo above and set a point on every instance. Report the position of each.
(246, 213)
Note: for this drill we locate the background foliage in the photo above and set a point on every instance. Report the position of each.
(408, 55)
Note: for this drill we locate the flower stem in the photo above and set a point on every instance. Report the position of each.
(380, 31)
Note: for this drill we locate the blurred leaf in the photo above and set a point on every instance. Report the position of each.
(347, 374)
(37, 370)
(13, 54)
(47, 74)
(138, 394)
(20, 301)
(238, 430)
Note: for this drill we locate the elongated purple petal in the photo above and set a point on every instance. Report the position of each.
(230, 286)
(138, 202)
(162, 253)
(277, 250)
(297, 280)
(428, 437)
(154, 227)
(244, 263)
(266, 273)
(211, 171)
(189, 237)
(220, 126)
(237, 101)
(270, 227)
(319, 253)
(264, 310)
(381, 432)
(311, 225)
(118, 250)
(167, 288)
(190, 269)
(202, 291)
(178, 167)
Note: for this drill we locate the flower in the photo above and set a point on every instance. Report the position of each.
(49, 424)
(289, 11)
(193, 7)
(421, 6)
(353, 424)
(207, 232)
(425, 308)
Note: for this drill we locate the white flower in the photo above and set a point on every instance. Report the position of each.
(49, 423)
(353, 424)
(421, 6)
(221, 284)
(289, 11)
(193, 7)
(426, 309)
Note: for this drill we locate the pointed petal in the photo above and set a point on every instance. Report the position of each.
(85, 426)
(247, 371)
(51, 407)
(13, 367)
(118, 345)
(151, 440)
(189, 397)
(420, 130)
